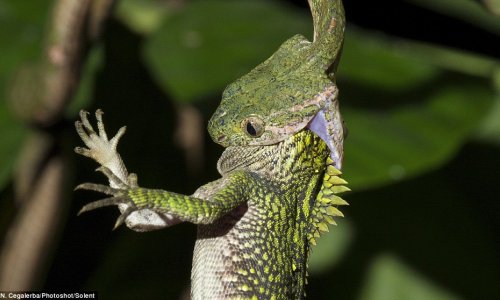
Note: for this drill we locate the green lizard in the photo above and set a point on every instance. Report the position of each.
(283, 135)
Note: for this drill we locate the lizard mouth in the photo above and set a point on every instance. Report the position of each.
(327, 124)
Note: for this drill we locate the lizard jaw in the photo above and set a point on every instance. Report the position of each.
(327, 124)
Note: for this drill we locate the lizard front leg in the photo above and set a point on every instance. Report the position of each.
(104, 152)
(229, 193)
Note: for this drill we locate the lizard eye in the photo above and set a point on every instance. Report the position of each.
(253, 126)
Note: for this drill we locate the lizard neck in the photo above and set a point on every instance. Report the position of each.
(302, 154)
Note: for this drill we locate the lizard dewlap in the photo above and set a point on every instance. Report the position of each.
(280, 172)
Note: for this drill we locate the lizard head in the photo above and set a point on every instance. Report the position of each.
(291, 90)
(280, 97)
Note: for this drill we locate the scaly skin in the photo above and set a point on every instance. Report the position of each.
(283, 135)
(283, 94)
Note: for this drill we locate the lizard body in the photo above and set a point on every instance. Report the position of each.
(283, 135)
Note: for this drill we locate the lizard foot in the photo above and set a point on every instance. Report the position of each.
(119, 196)
(99, 147)
(103, 150)
(137, 216)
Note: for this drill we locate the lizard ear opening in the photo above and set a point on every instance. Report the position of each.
(253, 126)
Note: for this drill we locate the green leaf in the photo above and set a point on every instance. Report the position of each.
(493, 6)
(21, 26)
(467, 10)
(450, 59)
(212, 42)
(84, 93)
(390, 279)
(390, 144)
(13, 135)
(407, 108)
(143, 16)
(490, 127)
(378, 62)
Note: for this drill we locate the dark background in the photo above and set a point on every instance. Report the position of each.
(420, 94)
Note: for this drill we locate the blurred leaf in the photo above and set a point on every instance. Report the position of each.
(493, 6)
(211, 43)
(467, 10)
(403, 113)
(449, 59)
(12, 135)
(143, 16)
(391, 279)
(391, 144)
(85, 92)
(496, 79)
(375, 62)
(490, 127)
(397, 64)
(331, 247)
(21, 25)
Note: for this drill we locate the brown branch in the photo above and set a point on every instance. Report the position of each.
(39, 97)
(41, 94)
(32, 234)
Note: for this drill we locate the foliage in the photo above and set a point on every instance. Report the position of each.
(421, 155)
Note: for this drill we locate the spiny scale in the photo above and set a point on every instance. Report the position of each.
(325, 206)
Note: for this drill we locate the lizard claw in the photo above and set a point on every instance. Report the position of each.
(113, 178)
(121, 219)
(104, 151)
(107, 202)
(98, 188)
(99, 147)
(100, 124)
(83, 151)
(119, 197)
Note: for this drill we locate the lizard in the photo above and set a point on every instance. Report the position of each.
(280, 172)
